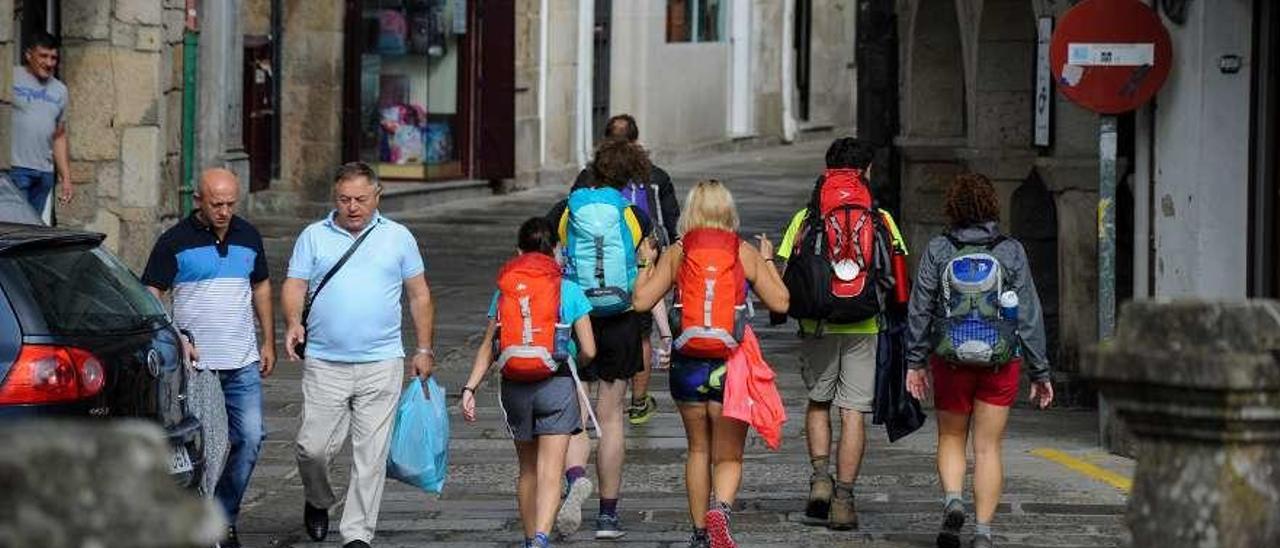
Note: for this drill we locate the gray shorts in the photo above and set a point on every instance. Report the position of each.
(541, 408)
(840, 369)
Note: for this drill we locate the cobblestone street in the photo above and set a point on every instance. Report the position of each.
(1045, 503)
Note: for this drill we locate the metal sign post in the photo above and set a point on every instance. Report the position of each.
(1107, 228)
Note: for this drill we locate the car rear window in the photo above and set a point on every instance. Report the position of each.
(82, 290)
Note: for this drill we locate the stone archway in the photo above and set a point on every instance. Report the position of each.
(1003, 80)
(935, 90)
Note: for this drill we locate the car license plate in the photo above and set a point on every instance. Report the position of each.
(179, 461)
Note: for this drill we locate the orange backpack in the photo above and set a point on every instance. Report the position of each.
(531, 341)
(710, 309)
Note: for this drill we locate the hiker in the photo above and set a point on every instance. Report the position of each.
(709, 269)
(655, 197)
(534, 318)
(975, 315)
(601, 232)
(834, 248)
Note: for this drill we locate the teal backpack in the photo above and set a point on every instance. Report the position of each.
(600, 254)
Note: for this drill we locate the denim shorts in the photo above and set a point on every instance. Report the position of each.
(696, 380)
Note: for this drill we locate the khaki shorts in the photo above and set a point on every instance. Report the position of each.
(840, 369)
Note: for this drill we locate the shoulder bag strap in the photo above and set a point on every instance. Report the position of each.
(306, 310)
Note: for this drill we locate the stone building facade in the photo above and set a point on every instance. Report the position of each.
(122, 63)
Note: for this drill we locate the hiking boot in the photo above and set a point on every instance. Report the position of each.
(718, 527)
(843, 516)
(569, 518)
(640, 413)
(699, 539)
(608, 527)
(982, 541)
(820, 491)
(952, 522)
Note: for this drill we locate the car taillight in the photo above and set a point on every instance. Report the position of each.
(51, 374)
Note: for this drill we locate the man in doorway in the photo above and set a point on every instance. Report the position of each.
(354, 356)
(213, 262)
(655, 198)
(38, 134)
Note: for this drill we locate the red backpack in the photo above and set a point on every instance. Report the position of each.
(710, 309)
(531, 340)
(831, 274)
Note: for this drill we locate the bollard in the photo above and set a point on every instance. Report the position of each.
(96, 483)
(1198, 385)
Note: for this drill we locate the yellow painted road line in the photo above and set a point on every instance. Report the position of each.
(1091, 470)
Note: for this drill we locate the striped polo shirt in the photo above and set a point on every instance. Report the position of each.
(212, 283)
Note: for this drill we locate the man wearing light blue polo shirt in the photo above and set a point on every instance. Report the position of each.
(354, 355)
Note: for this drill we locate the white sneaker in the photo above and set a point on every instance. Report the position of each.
(569, 518)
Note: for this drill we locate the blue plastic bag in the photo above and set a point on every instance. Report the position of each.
(419, 453)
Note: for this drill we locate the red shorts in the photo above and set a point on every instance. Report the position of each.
(956, 387)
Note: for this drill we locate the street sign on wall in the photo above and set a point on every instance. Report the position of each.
(1110, 56)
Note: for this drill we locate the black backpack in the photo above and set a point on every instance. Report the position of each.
(809, 273)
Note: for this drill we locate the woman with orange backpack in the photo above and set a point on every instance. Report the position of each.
(710, 269)
(533, 321)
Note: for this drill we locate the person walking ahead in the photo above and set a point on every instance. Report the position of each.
(213, 262)
(534, 318)
(354, 355)
(974, 313)
(838, 346)
(709, 268)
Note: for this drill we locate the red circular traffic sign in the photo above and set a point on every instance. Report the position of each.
(1110, 56)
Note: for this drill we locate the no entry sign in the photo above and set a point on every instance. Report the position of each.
(1110, 56)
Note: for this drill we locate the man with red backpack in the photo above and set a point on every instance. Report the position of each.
(842, 254)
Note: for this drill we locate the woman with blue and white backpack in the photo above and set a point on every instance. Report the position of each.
(975, 316)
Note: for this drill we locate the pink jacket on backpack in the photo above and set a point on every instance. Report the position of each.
(750, 394)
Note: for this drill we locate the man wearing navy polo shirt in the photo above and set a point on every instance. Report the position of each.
(354, 364)
(213, 263)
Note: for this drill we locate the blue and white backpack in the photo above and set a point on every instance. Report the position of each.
(973, 330)
(600, 252)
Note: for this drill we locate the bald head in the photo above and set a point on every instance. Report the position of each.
(216, 198)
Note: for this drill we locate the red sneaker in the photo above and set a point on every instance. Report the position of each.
(718, 527)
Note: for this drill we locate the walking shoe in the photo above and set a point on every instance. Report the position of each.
(843, 515)
(231, 540)
(608, 527)
(356, 544)
(699, 539)
(718, 527)
(569, 518)
(316, 521)
(640, 413)
(982, 541)
(820, 490)
(952, 522)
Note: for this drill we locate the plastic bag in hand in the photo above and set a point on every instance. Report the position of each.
(419, 454)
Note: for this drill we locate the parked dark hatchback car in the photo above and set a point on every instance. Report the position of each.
(81, 336)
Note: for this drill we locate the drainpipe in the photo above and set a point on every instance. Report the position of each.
(788, 70)
(190, 48)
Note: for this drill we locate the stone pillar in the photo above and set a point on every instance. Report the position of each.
(1198, 384)
(74, 484)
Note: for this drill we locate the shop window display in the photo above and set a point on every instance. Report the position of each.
(410, 113)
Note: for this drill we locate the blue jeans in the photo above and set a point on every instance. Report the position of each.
(36, 184)
(242, 388)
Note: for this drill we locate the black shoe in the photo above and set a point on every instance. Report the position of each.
(952, 522)
(316, 521)
(230, 540)
(356, 544)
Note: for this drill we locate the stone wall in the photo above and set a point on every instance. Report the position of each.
(122, 63)
(966, 105)
(832, 78)
(528, 124)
